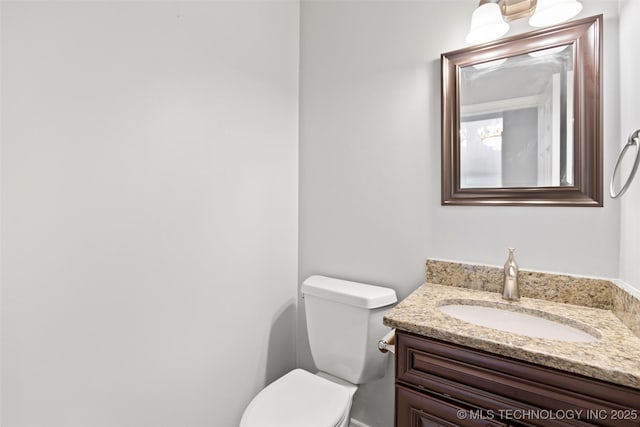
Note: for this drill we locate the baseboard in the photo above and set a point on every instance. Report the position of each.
(355, 423)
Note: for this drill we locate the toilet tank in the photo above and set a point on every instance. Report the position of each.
(344, 323)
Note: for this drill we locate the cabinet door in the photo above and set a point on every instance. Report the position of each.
(512, 390)
(415, 409)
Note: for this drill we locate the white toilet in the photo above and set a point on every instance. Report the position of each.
(344, 323)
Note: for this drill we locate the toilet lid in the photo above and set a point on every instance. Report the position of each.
(299, 398)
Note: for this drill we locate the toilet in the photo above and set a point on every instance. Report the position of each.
(344, 324)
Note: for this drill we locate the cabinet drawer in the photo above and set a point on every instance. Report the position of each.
(500, 383)
(414, 409)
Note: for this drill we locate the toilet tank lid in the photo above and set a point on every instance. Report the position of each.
(350, 293)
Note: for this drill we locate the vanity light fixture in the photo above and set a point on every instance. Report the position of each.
(490, 20)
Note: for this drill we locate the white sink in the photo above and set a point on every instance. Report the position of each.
(506, 319)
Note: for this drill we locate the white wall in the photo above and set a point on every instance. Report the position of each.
(629, 122)
(149, 210)
(370, 162)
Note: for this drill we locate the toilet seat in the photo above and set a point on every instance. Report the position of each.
(299, 398)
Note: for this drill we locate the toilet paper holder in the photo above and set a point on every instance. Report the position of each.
(387, 343)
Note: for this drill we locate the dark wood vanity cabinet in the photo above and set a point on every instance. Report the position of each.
(421, 409)
(443, 384)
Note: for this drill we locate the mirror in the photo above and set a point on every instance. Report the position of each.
(522, 120)
(515, 121)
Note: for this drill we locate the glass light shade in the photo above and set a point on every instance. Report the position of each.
(486, 24)
(551, 12)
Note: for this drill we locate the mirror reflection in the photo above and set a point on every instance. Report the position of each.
(516, 121)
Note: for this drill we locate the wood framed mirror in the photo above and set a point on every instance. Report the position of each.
(522, 119)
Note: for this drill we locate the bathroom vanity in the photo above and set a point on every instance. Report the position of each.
(442, 384)
(451, 372)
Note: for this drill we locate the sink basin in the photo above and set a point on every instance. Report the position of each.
(504, 318)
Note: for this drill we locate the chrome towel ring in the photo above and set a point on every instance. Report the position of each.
(634, 141)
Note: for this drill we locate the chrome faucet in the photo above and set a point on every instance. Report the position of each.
(511, 291)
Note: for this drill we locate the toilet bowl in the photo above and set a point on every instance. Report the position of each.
(344, 324)
(301, 398)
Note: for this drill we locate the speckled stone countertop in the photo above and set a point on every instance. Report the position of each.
(613, 357)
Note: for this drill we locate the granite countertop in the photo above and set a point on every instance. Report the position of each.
(613, 357)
